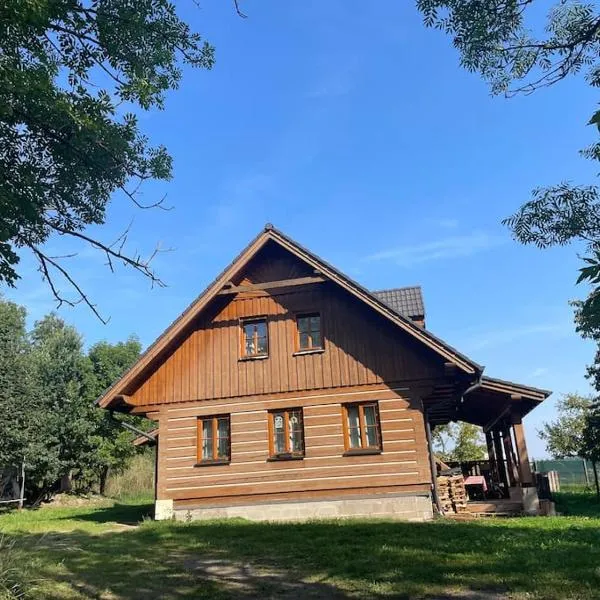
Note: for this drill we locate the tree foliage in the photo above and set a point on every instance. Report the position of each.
(461, 442)
(69, 72)
(507, 44)
(112, 444)
(564, 435)
(62, 375)
(48, 388)
(590, 438)
(21, 424)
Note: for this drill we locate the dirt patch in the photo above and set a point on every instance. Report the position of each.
(472, 595)
(250, 582)
(75, 500)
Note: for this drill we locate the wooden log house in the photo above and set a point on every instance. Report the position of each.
(288, 391)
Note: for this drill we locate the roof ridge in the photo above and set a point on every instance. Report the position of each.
(397, 289)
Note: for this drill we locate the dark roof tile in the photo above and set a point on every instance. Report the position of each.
(407, 301)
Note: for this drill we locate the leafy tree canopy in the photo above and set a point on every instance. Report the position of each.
(20, 424)
(68, 68)
(113, 444)
(564, 435)
(461, 442)
(62, 374)
(521, 46)
(48, 388)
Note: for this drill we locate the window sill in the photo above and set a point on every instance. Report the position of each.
(212, 463)
(362, 451)
(283, 457)
(259, 357)
(312, 351)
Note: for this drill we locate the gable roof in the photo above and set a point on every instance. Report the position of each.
(407, 301)
(120, 389)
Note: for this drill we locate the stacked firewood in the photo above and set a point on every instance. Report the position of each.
(444, 494)
(452, 493)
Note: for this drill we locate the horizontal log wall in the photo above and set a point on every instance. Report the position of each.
(403, 465)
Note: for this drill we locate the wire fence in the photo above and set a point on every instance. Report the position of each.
(571, 471)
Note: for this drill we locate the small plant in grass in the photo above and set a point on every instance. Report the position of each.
(13, 572)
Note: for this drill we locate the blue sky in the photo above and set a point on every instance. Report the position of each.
(353, 129)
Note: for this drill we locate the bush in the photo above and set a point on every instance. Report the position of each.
(136, 480)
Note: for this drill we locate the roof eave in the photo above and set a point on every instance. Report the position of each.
(527, 391)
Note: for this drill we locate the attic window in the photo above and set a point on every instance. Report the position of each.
(309, 332)
(255, 338)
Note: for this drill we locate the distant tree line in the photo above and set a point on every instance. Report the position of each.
(49, 421)
(575, 432)
(460, 442)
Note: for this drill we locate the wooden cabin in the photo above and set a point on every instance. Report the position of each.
(288, 391)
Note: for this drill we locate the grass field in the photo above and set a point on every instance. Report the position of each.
(97, 551)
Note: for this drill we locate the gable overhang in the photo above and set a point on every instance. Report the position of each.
(117, 396)
(496, 400)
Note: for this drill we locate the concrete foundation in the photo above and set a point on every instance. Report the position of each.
(163, 510)
(531, 502)
(404, 507)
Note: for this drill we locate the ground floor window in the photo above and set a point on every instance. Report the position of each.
(286, 433)
(214, 439)
(362, 429)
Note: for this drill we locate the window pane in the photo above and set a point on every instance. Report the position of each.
(223, 438)
(371, 435)
(261, 328)
(304, 341)
(303, 324)
(223, 427)
(262, 345)
(315, 323)
(279, 433)
(353, 426)
(316, 339)
(223, 447)
(279, 442)
(370, 415)
(207, 447)
(295, 432)
(249, 345)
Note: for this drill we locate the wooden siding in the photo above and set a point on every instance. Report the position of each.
(402, 465)
(361, 348)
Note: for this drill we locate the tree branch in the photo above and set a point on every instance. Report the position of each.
(143, 266)
(238, 11)
(44, 261)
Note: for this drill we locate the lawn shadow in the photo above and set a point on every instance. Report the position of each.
(345, 559)
(577, 503)
(124, 514)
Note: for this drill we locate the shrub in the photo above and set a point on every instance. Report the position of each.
(136, 480)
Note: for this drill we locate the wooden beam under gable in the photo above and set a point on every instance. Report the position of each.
(236, 289)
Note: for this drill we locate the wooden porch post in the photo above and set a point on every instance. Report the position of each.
(513, 473)
(503, 472)
(524, 466)
(495, 473)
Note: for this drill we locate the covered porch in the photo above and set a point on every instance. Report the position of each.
(503, 483)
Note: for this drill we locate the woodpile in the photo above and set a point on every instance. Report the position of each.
(452, 493)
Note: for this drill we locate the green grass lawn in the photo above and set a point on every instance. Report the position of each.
(94, 551)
